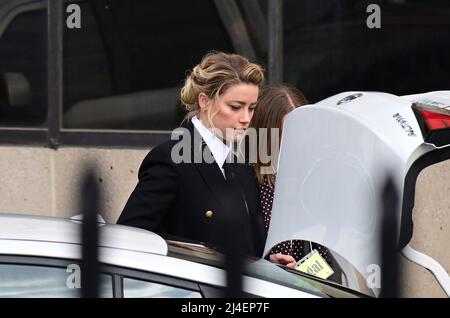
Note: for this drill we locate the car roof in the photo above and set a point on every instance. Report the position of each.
(61, 230)
(50, 236)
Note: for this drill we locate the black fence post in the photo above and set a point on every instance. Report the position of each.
(89, 263)
(389, 242)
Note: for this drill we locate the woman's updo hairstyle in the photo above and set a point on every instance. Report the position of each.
(214, 75)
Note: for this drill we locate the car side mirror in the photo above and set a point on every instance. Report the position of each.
(14, 90)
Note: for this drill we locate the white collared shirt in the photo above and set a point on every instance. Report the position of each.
(218, 149)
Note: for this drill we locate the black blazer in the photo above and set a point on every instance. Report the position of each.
(194, 201)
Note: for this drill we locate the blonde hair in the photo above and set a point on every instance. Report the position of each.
(214, 75)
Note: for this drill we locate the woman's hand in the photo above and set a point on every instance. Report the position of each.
(286, 260)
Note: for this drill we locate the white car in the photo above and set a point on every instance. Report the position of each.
(336, 158)
(40, 257)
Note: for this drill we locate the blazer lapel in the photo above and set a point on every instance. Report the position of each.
(231, 197)
(209, 171)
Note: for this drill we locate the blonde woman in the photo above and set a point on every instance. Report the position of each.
(195, 200)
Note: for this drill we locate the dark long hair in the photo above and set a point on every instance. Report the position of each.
(274, 103)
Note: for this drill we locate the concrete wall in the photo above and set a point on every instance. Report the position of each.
(46, 182)
(431, 217)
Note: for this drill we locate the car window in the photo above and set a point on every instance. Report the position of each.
(23, 67)
(136, 288)
(28, 281)
(267, 271)
(292, 278)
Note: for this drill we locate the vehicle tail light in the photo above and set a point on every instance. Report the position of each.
(434, 123)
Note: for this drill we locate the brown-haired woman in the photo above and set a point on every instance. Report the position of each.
(274, 103)
(195, 200)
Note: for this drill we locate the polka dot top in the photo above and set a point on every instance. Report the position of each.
(296, 248)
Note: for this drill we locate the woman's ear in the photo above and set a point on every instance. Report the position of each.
(203, 102)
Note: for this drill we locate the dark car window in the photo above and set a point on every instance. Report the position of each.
(137, 288)
(125, 65)
(23, 67)
(258, 268)
(28, 281)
